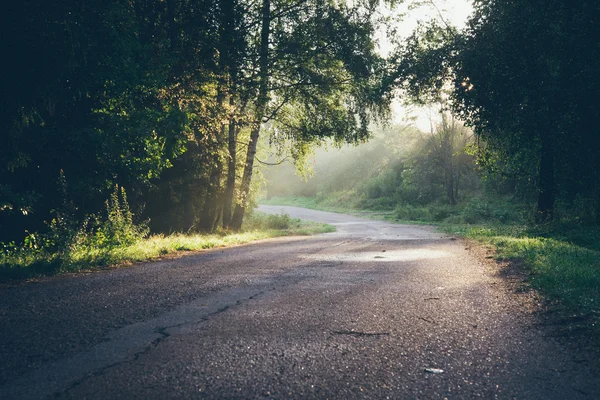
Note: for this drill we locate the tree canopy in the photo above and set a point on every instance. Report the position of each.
(169, 99)
(522, 74)
(164, 98)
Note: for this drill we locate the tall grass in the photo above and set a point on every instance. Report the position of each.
(117, 241)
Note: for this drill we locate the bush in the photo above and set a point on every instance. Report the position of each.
(476, 210)
(413, 213)
(492, 210)
(258, 220)
(441, 212)
(65, 247)
(118, 228)
(278, 221)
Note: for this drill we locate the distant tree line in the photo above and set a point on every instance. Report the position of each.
(167, 100)
(400, 166)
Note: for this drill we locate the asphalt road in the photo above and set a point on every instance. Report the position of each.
(373, 310)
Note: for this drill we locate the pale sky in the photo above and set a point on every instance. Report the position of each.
(454, 12)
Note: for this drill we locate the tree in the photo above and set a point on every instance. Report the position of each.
(158, 97)
(446, 148)
(522, 76)
(310, 59)
(103, 92)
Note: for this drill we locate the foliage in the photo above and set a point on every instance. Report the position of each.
(102, 93)
(164, 97)
(284, 223)
(61, 248)
(522, 74)
(271, 221)
(116, 229)
(258, 220)
(399, 166)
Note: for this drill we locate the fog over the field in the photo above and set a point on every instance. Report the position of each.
(333, 167)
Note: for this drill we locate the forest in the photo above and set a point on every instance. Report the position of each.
(124, 118)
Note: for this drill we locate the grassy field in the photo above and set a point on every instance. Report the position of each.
(331, 205)
(561, 260)
(28, 261)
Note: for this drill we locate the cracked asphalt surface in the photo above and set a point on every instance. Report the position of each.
(374, 310)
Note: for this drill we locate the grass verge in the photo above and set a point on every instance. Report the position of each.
(563, 263)
(22, 263)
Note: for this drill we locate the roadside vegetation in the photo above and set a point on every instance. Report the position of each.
(561, 260)
(113, 239)
(400, 177)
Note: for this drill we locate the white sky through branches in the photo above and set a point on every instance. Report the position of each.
(452, 12)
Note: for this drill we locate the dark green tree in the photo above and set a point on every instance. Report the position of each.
(315, 63)
(102, 91)
(523, 76)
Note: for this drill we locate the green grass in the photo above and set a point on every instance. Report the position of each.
(20, 263)
(563, 264)
(307, 202)
(473, 211)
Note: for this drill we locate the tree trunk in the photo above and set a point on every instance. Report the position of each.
(210, 212)
(546, 177)
(240, 208)
(456, 184)
(231, 166)
(261, 104)
(188, 215)
(212, 209)
(447, 150)
(209, 216)
(450, 186)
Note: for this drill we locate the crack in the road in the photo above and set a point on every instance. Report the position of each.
(161, 331)
(88, 376)
(425, 319)
(164, 334)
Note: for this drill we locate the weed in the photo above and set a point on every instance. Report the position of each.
(116, 240)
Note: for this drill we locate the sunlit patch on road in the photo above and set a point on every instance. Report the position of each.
(378, 256)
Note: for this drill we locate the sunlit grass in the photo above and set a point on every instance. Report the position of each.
(156, 246)
(563, 268)
(307, 202)
(25, 263)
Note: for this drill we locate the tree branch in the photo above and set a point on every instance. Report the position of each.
(285, 10)
(272, 164)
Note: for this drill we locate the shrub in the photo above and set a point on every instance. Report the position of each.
(412, 213)
(258, 220)
(115, 229)
(66, 247)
